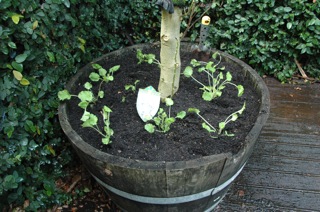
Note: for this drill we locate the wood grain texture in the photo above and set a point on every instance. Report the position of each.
(283, 173)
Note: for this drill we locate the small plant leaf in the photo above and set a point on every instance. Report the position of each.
(96, 66)
(149, 127)
(240, 90)
(193, 110)
(242, 109)
(208, 128)
(207, 96)
(102, 72)
(94, 77)
(106, 140)
(234, 117)
(91, 121)
(222, 125)
(228, 76)
(214, 55)
(101, 94)
(188, 71)
(86, 96)
(181, 115)
(85, 116)
(83, 105)
(88, 85)
(114, 69)
(106, 109)
(64, 95)
(169, 102)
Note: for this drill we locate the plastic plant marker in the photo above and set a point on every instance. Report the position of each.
(148, 103)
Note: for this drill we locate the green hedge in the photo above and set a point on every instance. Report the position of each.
(270, 34)
(44, 42)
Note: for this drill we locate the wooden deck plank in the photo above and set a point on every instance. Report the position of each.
(283, 173)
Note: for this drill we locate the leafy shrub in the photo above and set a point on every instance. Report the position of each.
(270, 34)
(42, 43)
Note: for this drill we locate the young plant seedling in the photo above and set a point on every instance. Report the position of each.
(220, 129)
(132, 87)
(216, 81)
(147, 58)
(87, 97)
(163, 121)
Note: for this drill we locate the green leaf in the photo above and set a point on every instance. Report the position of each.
(114, 69)
(63, 95)
(83, 105)
(101, 94)
(12, 45)
(106, 140)
(17, 66)
(228, 76)
(188, 71)
(85, 116)
(215, 55)
(289, 25)
(169, 102)
(21, 58)
(208, 128)
(94, 77)
(16, 18)
(240, 90)
(181, 114)
(96, 66)
(193, 110)
(242, 109)
(24, 82)
(51, 56)
(91, 121)
(17, 75)
(102, 72)
(234, 117)
(86, 96)
(207, 96)
(149, 127)
(88, 85)
(222, 125)
(106, 109)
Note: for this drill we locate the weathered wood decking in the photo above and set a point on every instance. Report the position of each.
(283, 173)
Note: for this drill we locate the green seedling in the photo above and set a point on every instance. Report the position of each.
(221, 126)
(216, 81)
(132, 87)
(87, 97)
(147, 58)
(163, 121)
(90, 120)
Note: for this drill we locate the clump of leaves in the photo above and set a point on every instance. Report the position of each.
(87, 97)
(222, 125)
(163, 121)
(147, 58)
(216, 81)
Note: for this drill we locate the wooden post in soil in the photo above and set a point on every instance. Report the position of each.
(170, 47)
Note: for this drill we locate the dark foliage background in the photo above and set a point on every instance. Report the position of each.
(44, 42)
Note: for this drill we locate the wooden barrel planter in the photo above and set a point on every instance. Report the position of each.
(193, 185)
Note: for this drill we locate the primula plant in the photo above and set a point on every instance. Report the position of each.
(87, 97)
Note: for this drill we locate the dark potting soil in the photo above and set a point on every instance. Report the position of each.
(186, 138)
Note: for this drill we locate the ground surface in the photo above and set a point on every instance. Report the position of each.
(283, 173)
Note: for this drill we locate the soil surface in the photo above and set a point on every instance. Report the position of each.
(186, 139)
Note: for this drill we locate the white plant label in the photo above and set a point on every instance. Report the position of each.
(148, 103)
